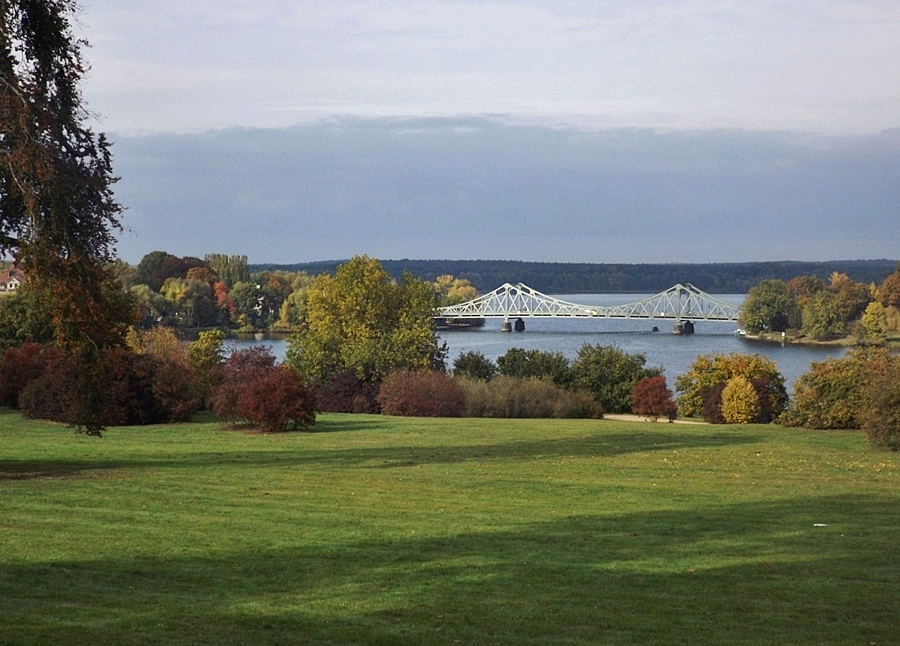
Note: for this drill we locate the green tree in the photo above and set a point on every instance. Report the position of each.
(474, 365)
(229, 269)
(769, 308)
(709, 370)
(23, 319)
(206, 355)
(823, 317)
(362, 320)
(610, 375)
(517, 362)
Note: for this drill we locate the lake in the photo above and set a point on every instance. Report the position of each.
(674, 353)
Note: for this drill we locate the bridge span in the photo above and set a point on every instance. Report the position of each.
(681, 303)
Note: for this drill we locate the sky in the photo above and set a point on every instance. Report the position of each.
(564, 131)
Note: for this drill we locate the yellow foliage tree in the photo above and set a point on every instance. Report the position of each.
(740, 403)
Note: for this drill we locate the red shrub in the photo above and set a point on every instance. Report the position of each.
(347, 393)
(278, 401)
(115, 387)
(711, 410)
(22, 365)
(651, 398)
(238, 371)
(421, 393)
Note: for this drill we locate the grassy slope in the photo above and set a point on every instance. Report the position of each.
(383, 531)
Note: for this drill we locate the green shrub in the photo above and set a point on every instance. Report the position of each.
(538, 364)
(527, 398)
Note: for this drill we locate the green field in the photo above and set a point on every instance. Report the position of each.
(375, 530)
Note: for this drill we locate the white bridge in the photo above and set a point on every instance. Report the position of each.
(681, 303)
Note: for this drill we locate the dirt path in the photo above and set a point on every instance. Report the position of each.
(638, 418)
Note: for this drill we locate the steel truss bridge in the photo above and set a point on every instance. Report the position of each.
(681, 303)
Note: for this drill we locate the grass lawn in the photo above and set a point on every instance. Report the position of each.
(375, 530)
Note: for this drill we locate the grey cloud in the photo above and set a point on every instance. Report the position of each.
(485, 188)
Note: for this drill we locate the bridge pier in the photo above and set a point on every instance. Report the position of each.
(518, 326)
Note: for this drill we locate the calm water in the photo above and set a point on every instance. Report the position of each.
(674, 353)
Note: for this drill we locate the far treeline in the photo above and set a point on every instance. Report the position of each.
(577, 278)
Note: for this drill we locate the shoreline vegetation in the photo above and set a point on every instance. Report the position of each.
(798, 338)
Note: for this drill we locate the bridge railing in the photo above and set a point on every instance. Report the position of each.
(678, 302)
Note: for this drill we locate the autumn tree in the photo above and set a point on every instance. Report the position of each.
(362, 320)
(452, 291)
(879, 415)
(652, 398)
(57, 211)
(832, 394)
(740, 403)
(58, 215)
(708, 371)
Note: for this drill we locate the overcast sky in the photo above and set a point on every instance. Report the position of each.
(550, 130)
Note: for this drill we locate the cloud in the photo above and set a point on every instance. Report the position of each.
(483, 187)
(787, 65)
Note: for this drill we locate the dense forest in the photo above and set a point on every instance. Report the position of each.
(575, 278)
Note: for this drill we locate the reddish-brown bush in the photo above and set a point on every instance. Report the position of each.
(278, 401)
(22, 365)
(116, 387)
(421, 393)
(240, 369)
(346, 393)
(652, 398)
(711, 409)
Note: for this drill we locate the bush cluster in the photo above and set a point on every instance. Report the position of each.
(345, 392)
(421, 393)
(527, 398)
(114, 387)
(250, 389)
